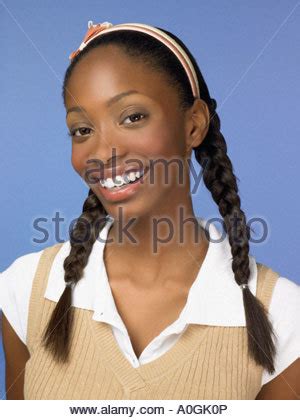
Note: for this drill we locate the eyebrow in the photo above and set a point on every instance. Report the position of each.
(109, 103)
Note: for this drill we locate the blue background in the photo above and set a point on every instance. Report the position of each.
(249, 55)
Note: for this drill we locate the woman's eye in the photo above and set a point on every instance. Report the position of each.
(134, 117)
(82, 130)
(85, 131)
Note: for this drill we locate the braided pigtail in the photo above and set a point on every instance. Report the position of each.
(85, 232)
(219, 178)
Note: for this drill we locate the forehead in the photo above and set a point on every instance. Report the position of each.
(107, 71)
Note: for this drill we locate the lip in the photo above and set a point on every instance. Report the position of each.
(121, 193)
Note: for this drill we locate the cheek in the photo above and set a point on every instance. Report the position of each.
(78, 158)
(159, 141)
(164, 147)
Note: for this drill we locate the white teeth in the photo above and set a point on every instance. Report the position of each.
(132, 176)
(120, 180)
(109, 183)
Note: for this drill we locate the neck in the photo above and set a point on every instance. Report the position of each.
(162, 235)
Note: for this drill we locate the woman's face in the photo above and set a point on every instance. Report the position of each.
(139, 128)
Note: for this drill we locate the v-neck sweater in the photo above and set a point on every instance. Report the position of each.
(207, 362)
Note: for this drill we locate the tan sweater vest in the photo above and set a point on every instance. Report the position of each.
(207, 362)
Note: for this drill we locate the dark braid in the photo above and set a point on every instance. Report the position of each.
(56, 337)
(218, 177)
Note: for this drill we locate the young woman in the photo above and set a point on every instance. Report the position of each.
(147, 301)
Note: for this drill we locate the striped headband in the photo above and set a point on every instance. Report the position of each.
(102, 28)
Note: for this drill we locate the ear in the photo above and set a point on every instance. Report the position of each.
(197, 124)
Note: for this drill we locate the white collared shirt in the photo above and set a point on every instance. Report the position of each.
(214, 299)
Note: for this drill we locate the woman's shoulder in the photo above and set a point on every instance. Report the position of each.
(284, 314)
(285, 304)
(287, 290)
(286, 294)
(24, 267)
(15, 289)
(268, 276)
(284, 297)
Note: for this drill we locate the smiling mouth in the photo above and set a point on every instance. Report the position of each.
(122, 187)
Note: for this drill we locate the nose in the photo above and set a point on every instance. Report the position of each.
(104, 154)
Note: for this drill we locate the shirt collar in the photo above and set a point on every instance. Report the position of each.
(214, 297)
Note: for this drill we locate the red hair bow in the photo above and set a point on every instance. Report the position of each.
(92, 30)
